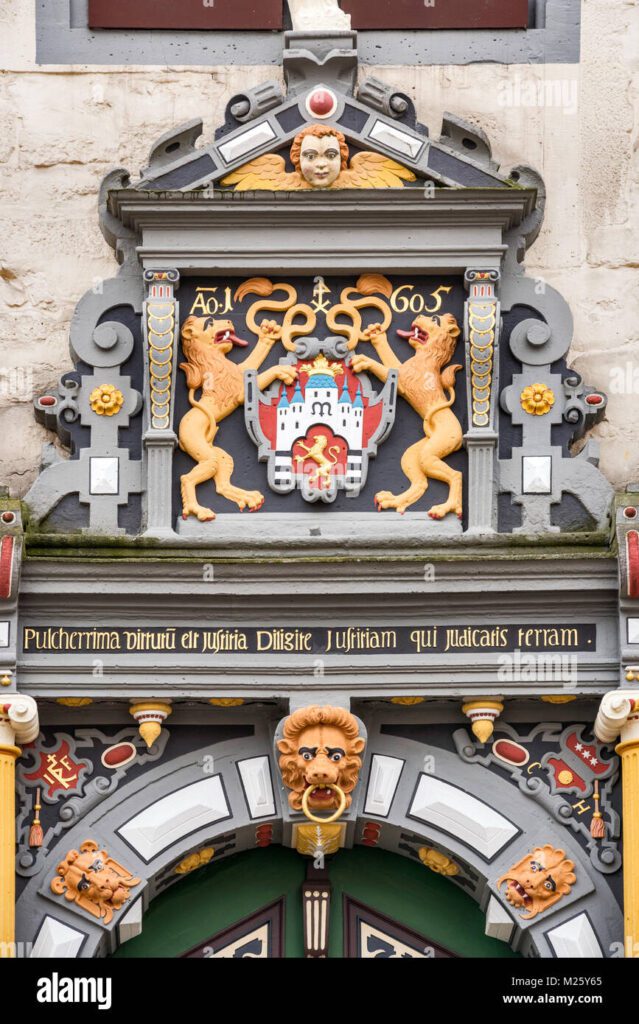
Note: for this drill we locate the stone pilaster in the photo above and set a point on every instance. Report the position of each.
(161, 331)
(481, 331)
(619, 716)
(18, 721)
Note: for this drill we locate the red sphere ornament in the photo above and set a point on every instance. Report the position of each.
(321, 103)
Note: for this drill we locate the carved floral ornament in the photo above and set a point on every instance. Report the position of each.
(438, 862)
(106, 400)
(537, 399)
(195, 860)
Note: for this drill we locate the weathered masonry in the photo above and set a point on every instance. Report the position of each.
(322, 569)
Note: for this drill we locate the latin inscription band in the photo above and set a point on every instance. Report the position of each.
(341, 640)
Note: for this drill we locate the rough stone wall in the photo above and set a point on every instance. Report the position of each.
(63, 128)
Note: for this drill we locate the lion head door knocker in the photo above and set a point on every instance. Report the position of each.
(93, 880)
(319, 760)
(538, 880)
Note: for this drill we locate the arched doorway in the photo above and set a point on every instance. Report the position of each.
(250, 905)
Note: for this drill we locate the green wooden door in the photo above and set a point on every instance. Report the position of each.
(252, 902)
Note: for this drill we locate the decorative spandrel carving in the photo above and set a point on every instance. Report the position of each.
(94, 881)
(538, 881)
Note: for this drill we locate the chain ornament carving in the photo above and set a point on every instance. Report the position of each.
(160, 326)
(482, 311)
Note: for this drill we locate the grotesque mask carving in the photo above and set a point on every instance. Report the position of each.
(538, 880)
(93, 880)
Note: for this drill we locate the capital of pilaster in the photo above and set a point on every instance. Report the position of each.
(618, 716)
(19, 722)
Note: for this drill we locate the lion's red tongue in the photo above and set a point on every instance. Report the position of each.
(415, 334)
(230, 336)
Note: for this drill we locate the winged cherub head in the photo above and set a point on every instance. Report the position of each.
(319, 153)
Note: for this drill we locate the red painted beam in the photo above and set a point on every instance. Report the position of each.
(186, 14)
(401, 14)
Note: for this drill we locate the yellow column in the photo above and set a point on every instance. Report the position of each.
(18, 721)
(629, 753)
(619, 717)
(8, 755)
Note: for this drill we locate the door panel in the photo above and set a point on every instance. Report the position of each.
(250, 906)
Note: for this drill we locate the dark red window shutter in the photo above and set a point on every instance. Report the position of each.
(185, 14)
(440, 14)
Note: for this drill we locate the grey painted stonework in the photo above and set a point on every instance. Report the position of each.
(392, 793)
(63, 37)
(361, 588)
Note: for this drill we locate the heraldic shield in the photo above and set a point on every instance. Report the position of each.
(318, 433)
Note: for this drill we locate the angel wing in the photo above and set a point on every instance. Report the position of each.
(265, 172)
(374, 170)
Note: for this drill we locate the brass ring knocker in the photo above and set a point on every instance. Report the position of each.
(337, 814)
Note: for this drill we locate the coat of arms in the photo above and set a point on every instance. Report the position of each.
(318, 433)
(315, 415)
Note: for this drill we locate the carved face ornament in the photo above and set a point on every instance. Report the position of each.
(316, 755)
(538, 880)
(424, 328)
(93, 880)
(320, 160)
(220, 333)
(320, 752)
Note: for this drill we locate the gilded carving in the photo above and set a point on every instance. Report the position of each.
(426, 381)
(438, 862)
(326, 838)
(538, 880)
(320, 159)
(106, 400)
(195, 861)
(206, 343)
(320, 760)
(93, 880)
(160, 328)
(482, 315)
(537, 399)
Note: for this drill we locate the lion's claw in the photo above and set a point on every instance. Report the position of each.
(205, 515)
(287, 374)
(373, 331)
(439, 511)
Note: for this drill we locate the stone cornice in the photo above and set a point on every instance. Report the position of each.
(215, 230)
(475, 590)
